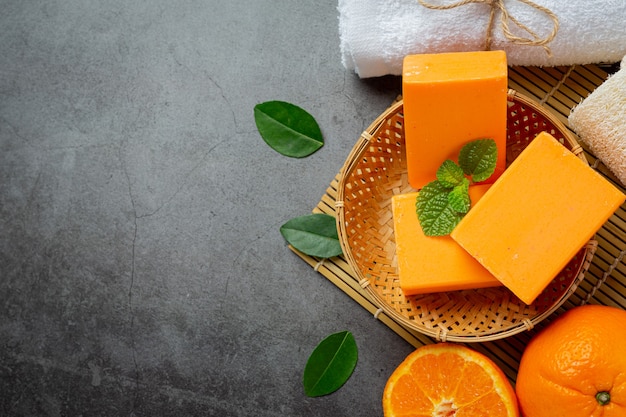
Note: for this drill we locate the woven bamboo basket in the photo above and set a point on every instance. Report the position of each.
(375, 171)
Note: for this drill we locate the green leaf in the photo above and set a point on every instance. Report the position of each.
(288, 129)
(436, 215)
(450, 174)
(478, 159)
(330, 365)
(441, 204)
(313, 234)
(459, 197)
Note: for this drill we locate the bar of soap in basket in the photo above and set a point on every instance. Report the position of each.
(536, 216)
(450, 99)
(430, 264)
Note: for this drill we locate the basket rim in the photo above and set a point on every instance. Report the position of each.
(441, 333)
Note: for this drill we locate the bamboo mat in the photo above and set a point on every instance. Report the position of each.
(558, 89)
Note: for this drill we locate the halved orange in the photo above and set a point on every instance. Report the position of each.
(448, 380)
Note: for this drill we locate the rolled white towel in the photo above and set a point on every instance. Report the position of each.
(375, 35)
(600, 122)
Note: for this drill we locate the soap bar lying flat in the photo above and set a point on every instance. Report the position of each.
(536, 216)
(450, 99)
(431, 264)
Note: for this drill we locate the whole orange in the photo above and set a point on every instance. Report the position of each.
(576, 366)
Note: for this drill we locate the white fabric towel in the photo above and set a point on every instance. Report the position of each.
(375, 35)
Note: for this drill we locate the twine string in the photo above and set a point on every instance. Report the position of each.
(442, 334)
(605, 275)
(319, 264)
(528, 324)
(505, 18)
(557, 86)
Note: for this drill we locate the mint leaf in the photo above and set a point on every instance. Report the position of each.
(330, 365)
(478, 159)
(442, 203)
(450, 174)
(459, 198)
(436, 215)
(428, 193)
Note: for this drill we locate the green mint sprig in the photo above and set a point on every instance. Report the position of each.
(442, 203)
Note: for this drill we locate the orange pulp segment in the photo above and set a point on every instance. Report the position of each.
(448, 380)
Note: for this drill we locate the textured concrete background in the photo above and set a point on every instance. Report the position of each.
(142, 272)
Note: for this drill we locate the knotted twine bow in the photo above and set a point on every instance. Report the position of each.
(505, 17)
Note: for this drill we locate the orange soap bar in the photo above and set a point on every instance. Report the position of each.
(430, 264)
(536, 216)
(450, 99)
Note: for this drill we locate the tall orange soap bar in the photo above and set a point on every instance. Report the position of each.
(536, 216)
(450, 99)
(431, 264)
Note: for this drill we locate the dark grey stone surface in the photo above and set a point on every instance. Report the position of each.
(142, 272)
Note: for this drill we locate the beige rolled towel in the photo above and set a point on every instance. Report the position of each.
(600, 122)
